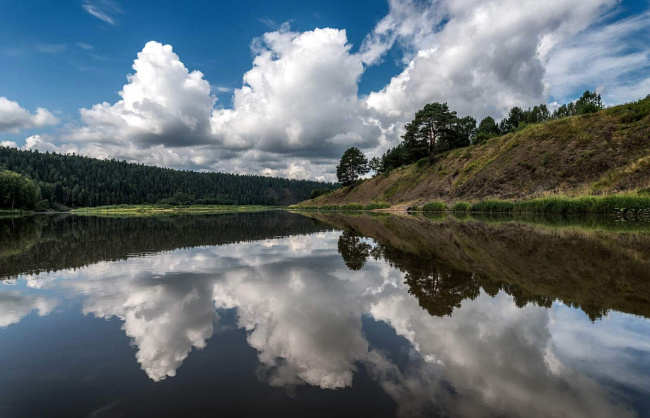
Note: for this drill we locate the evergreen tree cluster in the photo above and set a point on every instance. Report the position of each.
(436, 128)
(77, 181)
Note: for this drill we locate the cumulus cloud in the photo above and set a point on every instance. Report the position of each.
(162, 103)
(299, 100)
(300, 97)
(480, 57)
(13, 118)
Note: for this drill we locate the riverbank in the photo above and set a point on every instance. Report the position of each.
(630, 204)
(136, 210)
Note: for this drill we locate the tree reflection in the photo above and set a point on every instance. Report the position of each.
(354, 251)
(438, 287)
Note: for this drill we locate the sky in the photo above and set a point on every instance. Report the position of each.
(282, 88)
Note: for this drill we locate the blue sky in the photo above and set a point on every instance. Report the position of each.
(322, 79)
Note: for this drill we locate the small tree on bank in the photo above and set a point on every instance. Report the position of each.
(353, 164)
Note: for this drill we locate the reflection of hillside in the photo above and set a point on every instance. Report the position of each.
(34, 244)
(450, 260)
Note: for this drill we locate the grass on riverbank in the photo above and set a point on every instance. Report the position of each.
(629, 204)
(166, 209)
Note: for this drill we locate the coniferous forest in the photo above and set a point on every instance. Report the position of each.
(76, 181)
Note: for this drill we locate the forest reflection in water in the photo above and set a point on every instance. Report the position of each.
(404, 315)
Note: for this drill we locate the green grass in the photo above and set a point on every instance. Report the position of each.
(373, 206)
(493, 206)
(435, 207)
(621, 204)
(352, 206)
(330, 207)
(461, 207)
(162, 209)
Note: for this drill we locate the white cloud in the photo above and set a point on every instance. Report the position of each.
(300, 97)
(13, 118)
(85, 46)
(486, 58)
(297, 109)
(104, 10)
(611, 58)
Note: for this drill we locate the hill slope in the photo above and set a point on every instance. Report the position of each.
(598, 153)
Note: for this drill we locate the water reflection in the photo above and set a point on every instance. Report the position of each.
(461, 341)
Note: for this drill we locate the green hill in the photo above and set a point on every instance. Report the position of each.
(600, 153)
(76, 181)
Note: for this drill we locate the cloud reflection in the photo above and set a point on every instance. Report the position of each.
(302, 309)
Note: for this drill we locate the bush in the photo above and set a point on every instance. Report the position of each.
(413, 208)
(461, 207)
(435, 207)
(493, 205)
(376, 206)
(330, 207)
(42, 206)
(352, 206)
(423, 162)
(319, 192)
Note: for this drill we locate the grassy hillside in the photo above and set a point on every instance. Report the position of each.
(600, 153)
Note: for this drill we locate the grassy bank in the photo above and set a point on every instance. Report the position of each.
(627, 204)
(135, 210)
(13, 212)
(343, 208)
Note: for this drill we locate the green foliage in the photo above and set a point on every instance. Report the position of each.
(413, 208)
(493, 206)
(330, 207)
(614, 204)
(76, 181)
(319, 192)
(352, 206)
(435, 207)
(461, 207)
(373, 206)
(17, 191)
(353, 164)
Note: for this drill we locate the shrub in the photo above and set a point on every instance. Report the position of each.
(376, 206)
(352, 206)
(42, 206)
(435, 207)
(330, 207)
(493, 205)
(413, 208)
(461, 207)
(319, 192)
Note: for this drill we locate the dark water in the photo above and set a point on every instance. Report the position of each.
(282, 314)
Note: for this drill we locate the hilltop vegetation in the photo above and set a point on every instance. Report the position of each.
(76, 181)
(598, 153)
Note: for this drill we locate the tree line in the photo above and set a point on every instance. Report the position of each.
(76, 181)
(436, 128)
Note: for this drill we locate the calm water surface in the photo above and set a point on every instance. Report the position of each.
(283, 314)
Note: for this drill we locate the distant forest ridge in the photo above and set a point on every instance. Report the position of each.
(76, 181)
